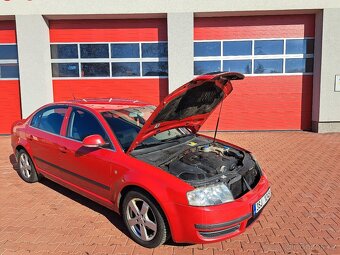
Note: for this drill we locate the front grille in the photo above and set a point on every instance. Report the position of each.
(212, 234)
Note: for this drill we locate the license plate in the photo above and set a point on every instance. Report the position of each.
(262, 202)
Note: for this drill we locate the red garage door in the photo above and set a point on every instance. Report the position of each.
(109, 58)
(275, 53)
(9, 77)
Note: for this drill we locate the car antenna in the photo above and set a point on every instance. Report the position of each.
(218, 121)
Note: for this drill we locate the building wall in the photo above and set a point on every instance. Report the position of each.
(108, 7)
(180, 35)
(34, 62)
(33, 41)
(329, 111)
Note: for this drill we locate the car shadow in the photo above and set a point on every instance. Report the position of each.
(112, 216)
(13, 162)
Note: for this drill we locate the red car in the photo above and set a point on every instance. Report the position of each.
(148, 164)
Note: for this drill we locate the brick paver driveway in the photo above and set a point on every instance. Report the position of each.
(302, 217)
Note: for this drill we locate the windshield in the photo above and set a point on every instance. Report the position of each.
(126, 124)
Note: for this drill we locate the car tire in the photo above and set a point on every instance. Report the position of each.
(26, 168)
(144, 219)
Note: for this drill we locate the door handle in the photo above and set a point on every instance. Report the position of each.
(63, 149)
(30, 137)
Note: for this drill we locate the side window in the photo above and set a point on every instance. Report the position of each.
(82, 124)
(36, 119)
(49, 119)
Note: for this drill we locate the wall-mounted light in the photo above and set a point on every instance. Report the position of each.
(337, 83)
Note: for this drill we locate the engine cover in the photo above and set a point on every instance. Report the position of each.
(201, 164)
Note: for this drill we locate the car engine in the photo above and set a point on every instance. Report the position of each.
(210, 163)
(202, 162)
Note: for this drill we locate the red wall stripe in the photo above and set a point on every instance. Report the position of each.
(9, 89)
(7, 31)
(254, 27)
(147, 90)
(9, 104)
(108, 30)
(267, 103)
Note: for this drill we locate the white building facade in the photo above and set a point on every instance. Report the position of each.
(289, 52)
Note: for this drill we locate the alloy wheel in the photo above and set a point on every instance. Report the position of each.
(141, 219)
(25, 166)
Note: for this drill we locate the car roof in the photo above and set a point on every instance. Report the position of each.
(105, 103)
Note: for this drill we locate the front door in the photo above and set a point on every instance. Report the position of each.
(87, 169)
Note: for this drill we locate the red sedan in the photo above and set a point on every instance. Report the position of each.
(148, 164)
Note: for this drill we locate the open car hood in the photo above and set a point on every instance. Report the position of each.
(188, 106)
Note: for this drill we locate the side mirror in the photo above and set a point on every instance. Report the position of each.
(94, 141)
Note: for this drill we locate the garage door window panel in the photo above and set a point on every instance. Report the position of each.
(8, 52)
(94, 50)
(268, 47)
(65, 70)
(64, 51)
(205, 49)
(267, 66)
(237, 48)
(299, 65)
(95, 69)
(8, 71)
(155, 50)
(201, 67)
(242, 66)
(300, 46)
(124, 50)
(122, 69)
(155, 68)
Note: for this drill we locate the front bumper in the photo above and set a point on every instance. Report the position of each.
(216, 223)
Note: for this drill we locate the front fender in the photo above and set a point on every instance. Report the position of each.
(165, 188)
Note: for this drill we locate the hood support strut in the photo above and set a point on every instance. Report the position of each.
(218, 121)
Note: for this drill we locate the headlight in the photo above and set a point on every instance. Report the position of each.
(210, 195)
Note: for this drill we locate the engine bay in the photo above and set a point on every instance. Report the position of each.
(201, 161)
(204, 162)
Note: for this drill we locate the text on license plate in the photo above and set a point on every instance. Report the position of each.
(262, 202)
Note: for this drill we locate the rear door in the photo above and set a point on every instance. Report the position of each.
(44, 138)
(87, 169)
